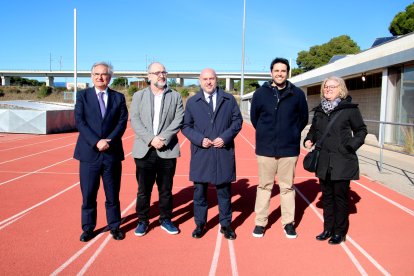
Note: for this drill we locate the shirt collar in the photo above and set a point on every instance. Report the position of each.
(206, 95)
(97, 91)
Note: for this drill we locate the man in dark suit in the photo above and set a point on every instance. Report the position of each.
(101, 117)
(212, 119)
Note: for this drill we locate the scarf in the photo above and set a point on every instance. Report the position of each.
(328, 106)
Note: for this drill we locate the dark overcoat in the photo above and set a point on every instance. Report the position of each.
(347, 134)
(212, 165)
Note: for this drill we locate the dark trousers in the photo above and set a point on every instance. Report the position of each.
(335, 200)
(149, 170)
(90, 174)
(201, 204)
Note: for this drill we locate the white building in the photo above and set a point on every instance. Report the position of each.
(386, 94)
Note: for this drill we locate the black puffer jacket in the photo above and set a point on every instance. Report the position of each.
(345, 137)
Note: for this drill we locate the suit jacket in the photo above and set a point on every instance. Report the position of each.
(92, 127)
(171, 119)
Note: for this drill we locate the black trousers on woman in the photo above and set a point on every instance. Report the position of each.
(154, 169)
(335, 200)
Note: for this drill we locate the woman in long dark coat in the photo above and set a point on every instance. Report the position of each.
(338, 162)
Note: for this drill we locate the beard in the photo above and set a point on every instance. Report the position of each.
(160, 83)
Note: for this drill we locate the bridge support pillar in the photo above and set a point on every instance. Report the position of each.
(50, 81)
(229, 84)
(5, 81)
(180, 81)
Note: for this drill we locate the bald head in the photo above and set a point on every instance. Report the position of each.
(208, 80)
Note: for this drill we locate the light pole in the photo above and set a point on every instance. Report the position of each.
(75, 70)
(242, 68)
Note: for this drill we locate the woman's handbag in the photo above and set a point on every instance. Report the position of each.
(310, 162)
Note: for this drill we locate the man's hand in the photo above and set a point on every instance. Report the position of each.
(158, 142)
(218, 143)
(206, 143)
(103, 145)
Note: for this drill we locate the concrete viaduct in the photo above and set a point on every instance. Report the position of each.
(230, 77)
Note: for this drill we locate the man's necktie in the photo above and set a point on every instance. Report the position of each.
(210, 103)
(102, 103)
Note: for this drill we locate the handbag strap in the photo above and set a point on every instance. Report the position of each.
(319, 143)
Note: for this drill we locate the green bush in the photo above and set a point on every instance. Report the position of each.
(59, 89)
(184, 93)
(132, 89)
(1, 93)
(44, 91)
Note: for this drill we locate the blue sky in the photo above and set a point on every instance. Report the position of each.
(183, 34)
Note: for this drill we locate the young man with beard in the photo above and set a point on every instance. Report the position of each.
(279, 113)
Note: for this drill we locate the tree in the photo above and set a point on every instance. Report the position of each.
(249, 85)
(172, 83)
(403, 22)
(18, 81)
(221, 83)
(320, 55)
(121, 81)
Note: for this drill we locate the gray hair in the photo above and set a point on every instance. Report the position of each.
(343, 91)
(106, 64)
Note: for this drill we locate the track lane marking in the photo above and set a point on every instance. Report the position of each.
(47, 141)
(396, 204)
(345, 247)
(92, 259)
(38, 204)
(30, 173)
(103, 244)
(34, 154)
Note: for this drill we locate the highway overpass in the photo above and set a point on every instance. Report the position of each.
(49, 76)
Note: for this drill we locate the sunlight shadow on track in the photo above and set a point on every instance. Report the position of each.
(345, 247)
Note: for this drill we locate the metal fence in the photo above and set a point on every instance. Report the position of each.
(393, 136)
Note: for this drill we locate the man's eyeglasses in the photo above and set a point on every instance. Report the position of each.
(158, 73)
(100, 74)
(330, 87)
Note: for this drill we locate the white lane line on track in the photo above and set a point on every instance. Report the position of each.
(50, 172)
(38, 204)
(103, 244)
(216, 255)
(30, 155)
(345, 247)
(244, 137)
(30, 173)
(396, 204)
(233, 262)
(47, 141)
(348, 252)
(101, 247)
(12, 221)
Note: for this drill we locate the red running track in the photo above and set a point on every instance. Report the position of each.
(40, 222)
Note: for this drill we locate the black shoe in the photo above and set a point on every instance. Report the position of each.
(324, 235)
(290, 231)
(198, 231)
(258, 231)
(228, 233)
(117, 234)
(87, 236)
(336, 239)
